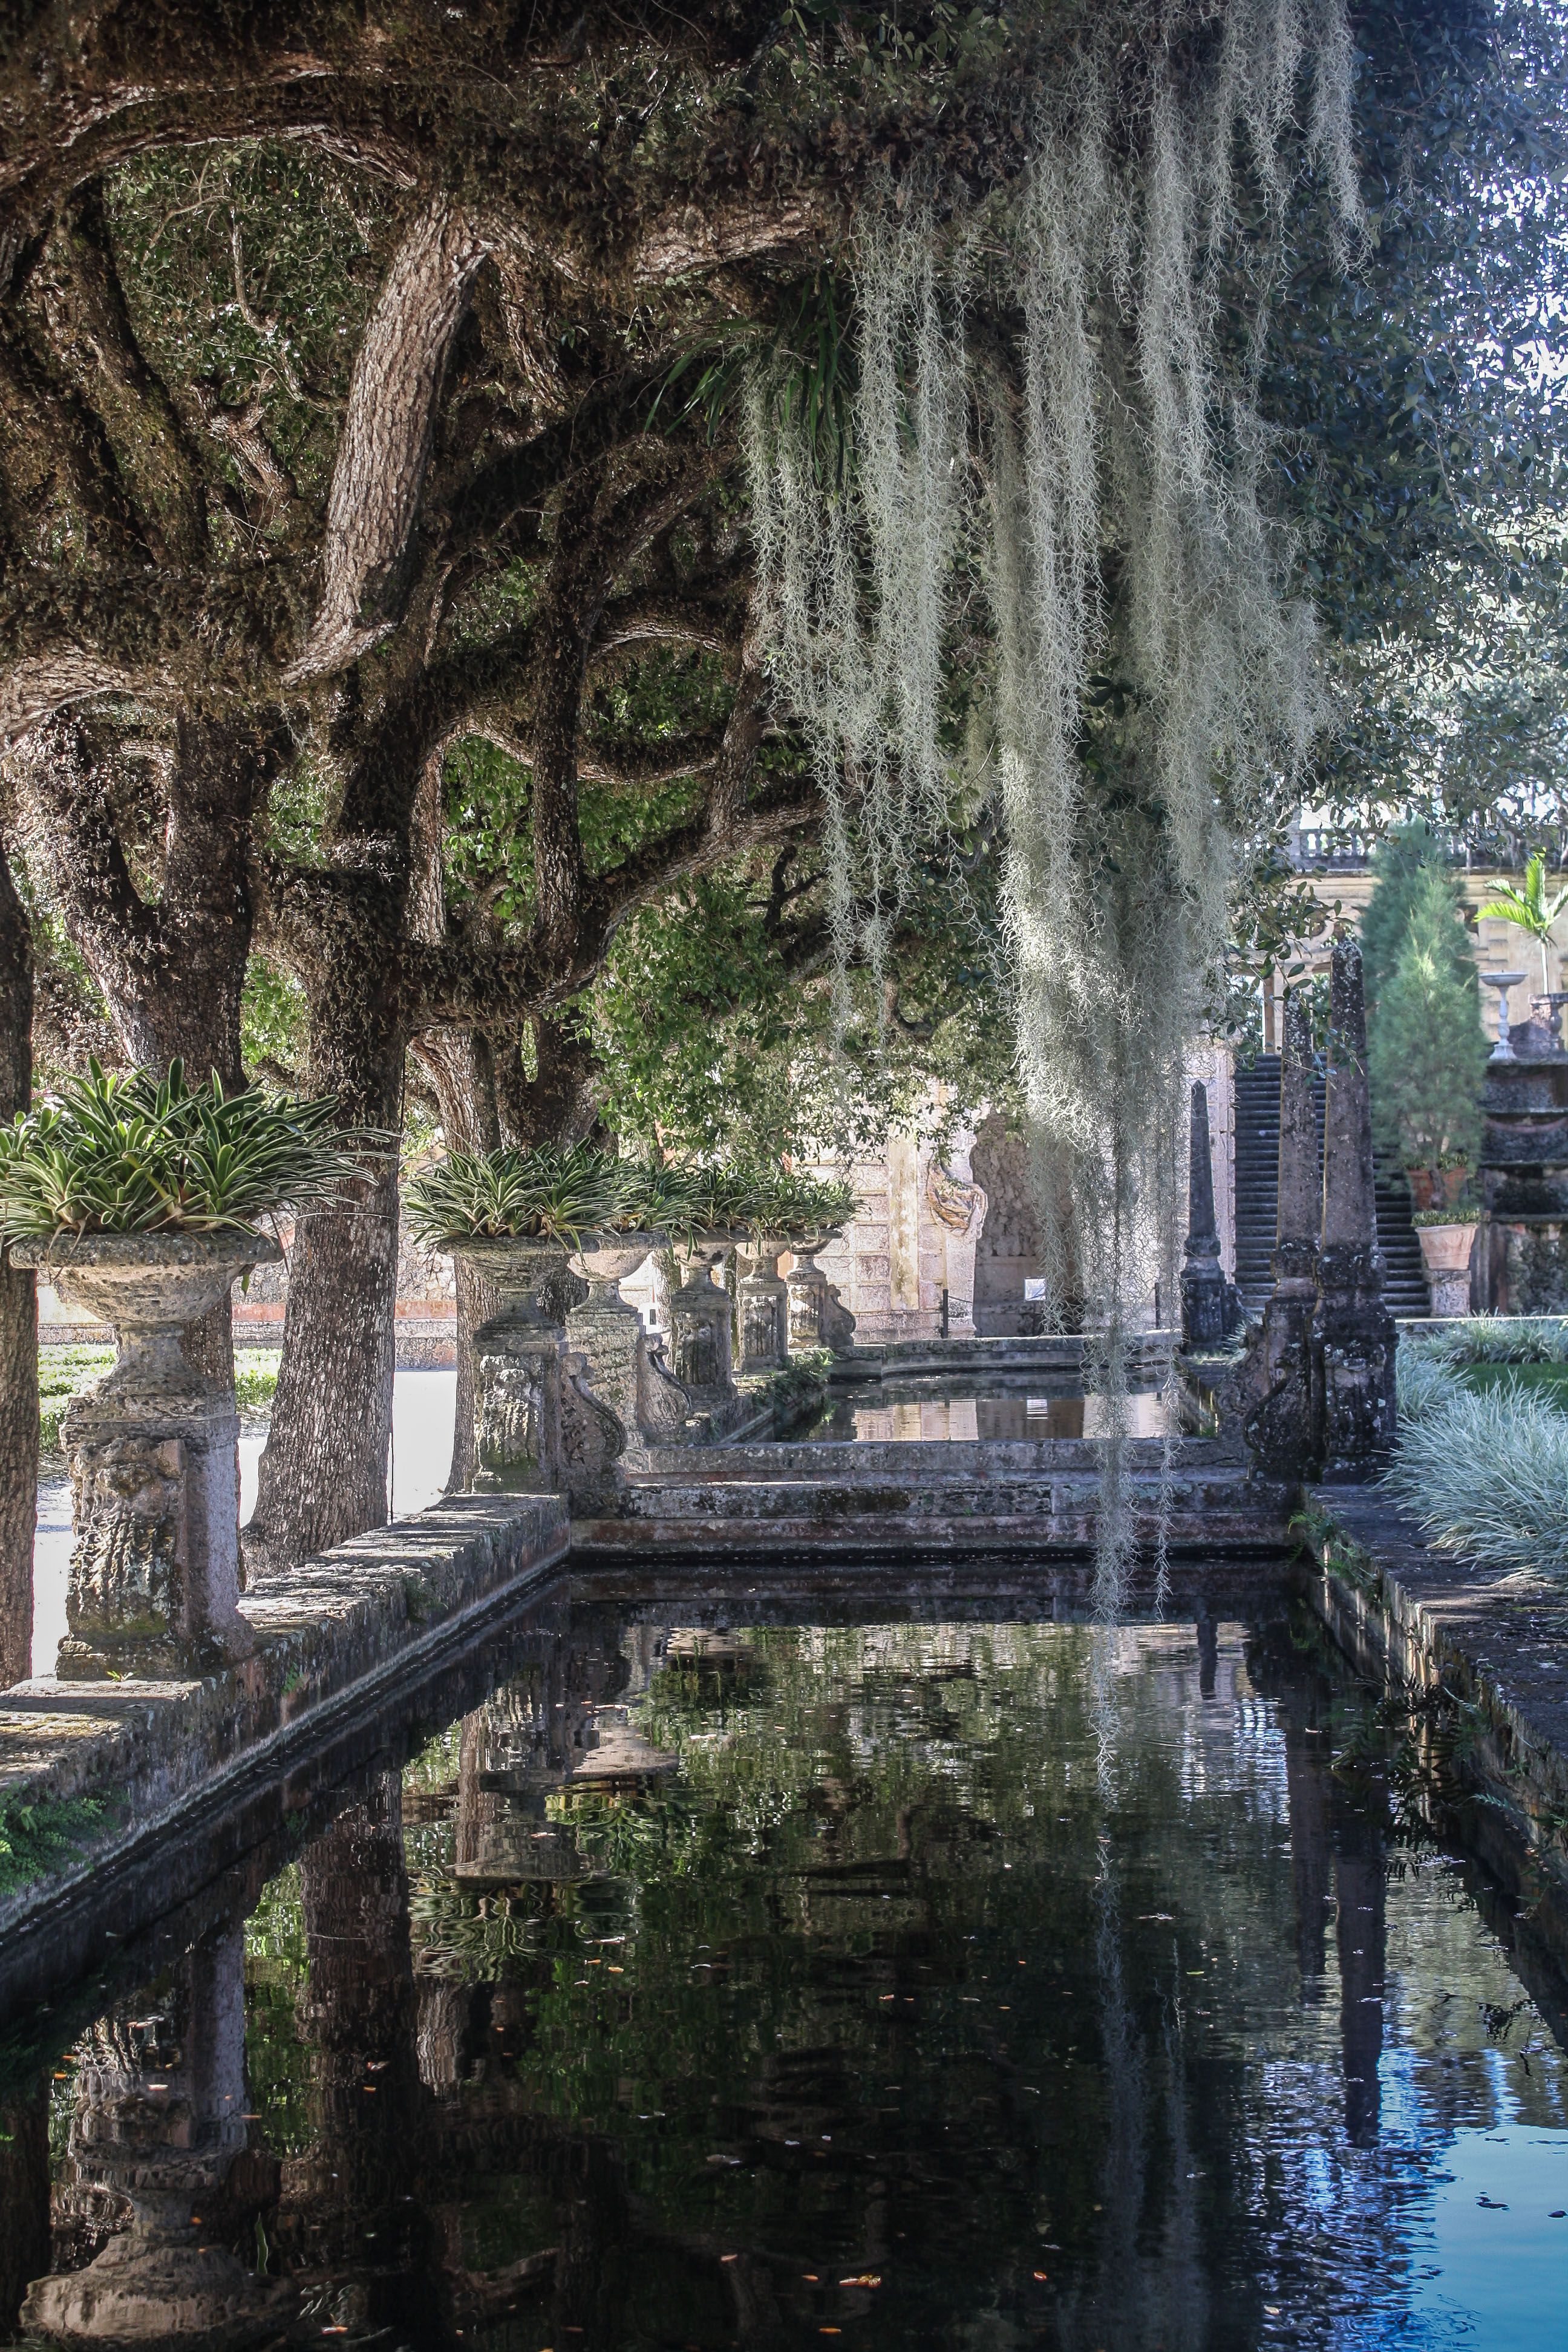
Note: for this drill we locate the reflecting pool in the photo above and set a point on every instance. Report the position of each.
(943, 1408)
(713, 1980)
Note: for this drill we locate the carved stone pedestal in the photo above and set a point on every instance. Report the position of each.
(764, 1313)
(699, 1327)
(817, 1316)
(539, 1428)
(621, 1369)
(153, 1451)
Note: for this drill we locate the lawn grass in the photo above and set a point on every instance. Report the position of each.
(1547, 1382)
(65, 1371)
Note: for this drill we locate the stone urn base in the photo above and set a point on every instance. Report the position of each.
(1446, 1260)
(153, 1457)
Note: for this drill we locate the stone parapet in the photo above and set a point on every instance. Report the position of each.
(344, 1624)
(1478, 1655)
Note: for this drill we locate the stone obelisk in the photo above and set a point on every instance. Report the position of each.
(1204, 1292)
(1354, 1338)
(1277, 1413)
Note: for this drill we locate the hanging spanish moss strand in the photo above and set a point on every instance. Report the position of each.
(1153, 685)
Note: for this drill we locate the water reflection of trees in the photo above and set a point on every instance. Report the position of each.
(582, 2025)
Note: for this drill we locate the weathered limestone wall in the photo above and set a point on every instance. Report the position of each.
(914, 1240)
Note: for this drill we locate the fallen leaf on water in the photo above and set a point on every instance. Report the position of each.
(866, 2278)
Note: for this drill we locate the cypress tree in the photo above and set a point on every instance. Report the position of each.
(1412, 858)
(1428, 1050)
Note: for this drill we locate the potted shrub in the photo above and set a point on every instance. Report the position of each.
(1427, 1054)
(139, 1197)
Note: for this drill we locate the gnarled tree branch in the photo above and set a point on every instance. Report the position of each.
(387, 438)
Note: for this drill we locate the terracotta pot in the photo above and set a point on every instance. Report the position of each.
(1445, 1257)
(1423, 1183)
(149, 1288)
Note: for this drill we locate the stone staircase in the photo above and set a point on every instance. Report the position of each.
(1258, 1195)
(909, 1501)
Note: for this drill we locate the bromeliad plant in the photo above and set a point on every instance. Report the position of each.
(546, 1195)
(790, 1207)
(563, 1194)
(131, 1153)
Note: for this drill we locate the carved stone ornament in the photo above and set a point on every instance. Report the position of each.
(153, 1452)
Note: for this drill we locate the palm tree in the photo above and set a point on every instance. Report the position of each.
(1531, 909)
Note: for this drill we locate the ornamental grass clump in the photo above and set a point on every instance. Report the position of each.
(131, 1153)
(1496, 1340)
(1487, 1474)
(548, 1195)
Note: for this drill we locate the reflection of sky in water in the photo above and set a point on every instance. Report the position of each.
(1051, 1980)
(1497, 2270)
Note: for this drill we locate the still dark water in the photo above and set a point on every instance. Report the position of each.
(947, 1984)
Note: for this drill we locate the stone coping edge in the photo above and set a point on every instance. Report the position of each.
(1482, 1657)
(328, 1633)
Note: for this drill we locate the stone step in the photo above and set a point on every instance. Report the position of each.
(1222, 1513)
(850, 1463)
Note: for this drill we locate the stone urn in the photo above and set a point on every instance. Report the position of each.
(621, 1368)
(153, 1451)
(1446, 1261)
(517, 1367)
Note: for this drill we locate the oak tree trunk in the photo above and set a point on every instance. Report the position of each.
(323, 1474)
(18, 1316)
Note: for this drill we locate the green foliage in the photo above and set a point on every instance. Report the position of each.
(36, 1839)
(1484, 1475)
(570, 1192)
(548, 1193)
(1418, 399)
(256, 1378)
(249, 267)
(135, 1153)
(1532, 910)
(1428, 1050)
(1412, 856)
(1493, 1340)
(274, 1021)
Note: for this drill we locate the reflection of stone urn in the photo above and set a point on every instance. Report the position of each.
(622, 1370)
(1446, 1261)
(160, 2119)
(517, 1366)
(154, 1578)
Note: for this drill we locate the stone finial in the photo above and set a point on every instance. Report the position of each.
(1350, 1205)
(1354, 1338)
(1300, 1194)
(1204, 1287)
(1277, 1421)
